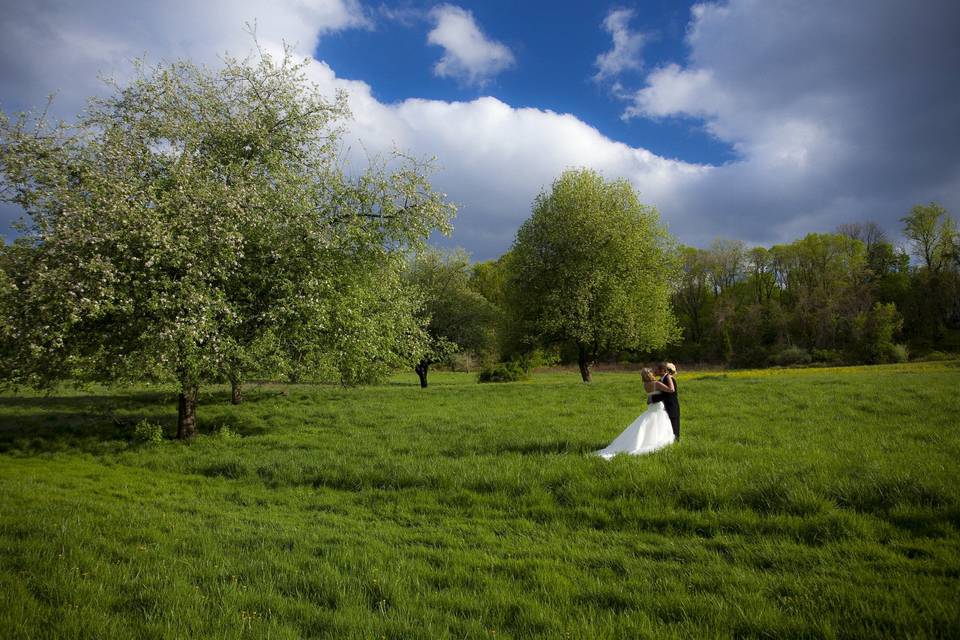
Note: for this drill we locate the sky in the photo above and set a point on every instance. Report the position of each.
(759, 120)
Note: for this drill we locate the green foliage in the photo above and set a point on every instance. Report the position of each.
(873, 334)
(510, 371)
(792, 356)
(196, 225)
(456, 316)
(932, 235)
(224, 432)
(789, 510)
(938, 356)
(593, 267)
(826, 356)
(898, 353)
(744, 306)
(146, 432)
(489, 279)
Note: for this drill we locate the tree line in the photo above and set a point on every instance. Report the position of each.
(851, 296)
(848, 296)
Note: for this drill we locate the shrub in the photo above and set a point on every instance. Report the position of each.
(830, 356)
(896, 353)
(791, 356)
(541, 358)
(146, 432)
(511, 371)
(937, 356)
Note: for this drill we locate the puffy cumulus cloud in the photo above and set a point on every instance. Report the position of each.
(48, 46)
(469, 55)
(838, 111)
(493, 159)
(627, 50)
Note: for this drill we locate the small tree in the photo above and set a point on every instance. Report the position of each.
(593, 267)
(874, 331)
(931, 232)
(197, 223)
(456, 316)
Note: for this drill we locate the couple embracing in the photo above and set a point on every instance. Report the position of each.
(659, 425)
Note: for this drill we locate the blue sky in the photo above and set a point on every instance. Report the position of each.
(555, 45)
(758, 120)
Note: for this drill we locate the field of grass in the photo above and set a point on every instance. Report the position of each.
(800, 503)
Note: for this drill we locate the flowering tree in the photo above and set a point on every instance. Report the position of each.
(196, 224)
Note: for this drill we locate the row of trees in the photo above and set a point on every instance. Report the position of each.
(593, 276)
(847, 296)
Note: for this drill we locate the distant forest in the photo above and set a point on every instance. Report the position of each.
(850, 296)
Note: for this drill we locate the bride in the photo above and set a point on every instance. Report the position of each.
(651, 430)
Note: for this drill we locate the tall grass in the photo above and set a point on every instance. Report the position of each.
(820, 503)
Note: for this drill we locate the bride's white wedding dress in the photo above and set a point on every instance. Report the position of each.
(649, 432)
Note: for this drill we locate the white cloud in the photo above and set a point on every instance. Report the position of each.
(627, 46)
(493, 158)
(836, 113)
(48, 46)
(469, 55)
(673, 91)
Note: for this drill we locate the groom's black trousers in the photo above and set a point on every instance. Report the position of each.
(675, 421)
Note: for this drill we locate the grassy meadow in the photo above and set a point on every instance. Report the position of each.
(800, 503)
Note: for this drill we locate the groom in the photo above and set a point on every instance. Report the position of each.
(669, 399)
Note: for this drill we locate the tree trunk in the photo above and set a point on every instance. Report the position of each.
(584, 361)
(187, 412)
(422, 367)
(236, 393)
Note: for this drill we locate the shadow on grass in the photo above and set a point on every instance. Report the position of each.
(48, 431)
(85, 402)
(32, 425)
(542, 448)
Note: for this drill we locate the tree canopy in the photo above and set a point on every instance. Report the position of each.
(196, 224)
(456, 316)
(593, 267)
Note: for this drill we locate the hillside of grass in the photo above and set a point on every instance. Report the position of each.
(810, 502)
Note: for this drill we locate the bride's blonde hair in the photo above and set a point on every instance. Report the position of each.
(647, 375)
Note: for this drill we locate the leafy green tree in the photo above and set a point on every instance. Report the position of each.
(456, 316)
(931, 233)
(693, 296)
(874, 331)
(933, 303)
(593, 267)
(492, 280)
(196, 223)
(760, 264)
(725, 263)
(489, 279)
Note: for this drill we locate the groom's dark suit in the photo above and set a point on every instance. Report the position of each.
(671, 404)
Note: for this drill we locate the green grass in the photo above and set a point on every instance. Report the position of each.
(800, 503)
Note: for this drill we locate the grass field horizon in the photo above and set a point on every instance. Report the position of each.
(800, 502)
